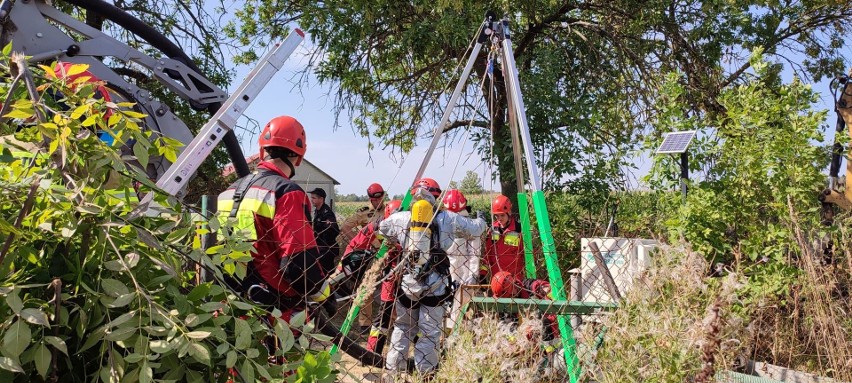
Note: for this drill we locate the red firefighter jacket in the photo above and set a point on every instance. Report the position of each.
(286, 256)
(504, 249)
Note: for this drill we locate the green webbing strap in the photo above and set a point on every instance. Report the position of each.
(524, 209)
(569, 344)
(355, 309)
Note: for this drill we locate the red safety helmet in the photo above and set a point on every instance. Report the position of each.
(284, 132)
(454, 201)
(430, 185)
(503, 285)
(501, 205)
(392, 207)
(375, 191)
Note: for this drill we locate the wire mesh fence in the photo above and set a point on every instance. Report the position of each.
(458, 301)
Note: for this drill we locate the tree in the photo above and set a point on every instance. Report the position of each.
(452, 185)
(589, 71)
(471, 184)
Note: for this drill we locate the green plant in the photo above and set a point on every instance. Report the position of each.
(90, 293)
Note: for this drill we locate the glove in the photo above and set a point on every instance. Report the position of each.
(321, 295)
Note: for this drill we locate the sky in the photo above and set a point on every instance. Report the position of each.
(341, 153)
(344, 155)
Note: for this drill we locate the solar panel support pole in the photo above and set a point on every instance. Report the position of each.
(684, 173)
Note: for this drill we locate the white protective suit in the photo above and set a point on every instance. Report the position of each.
(414, 314)
(464, 255)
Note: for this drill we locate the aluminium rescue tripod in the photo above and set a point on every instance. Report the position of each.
(498, 34)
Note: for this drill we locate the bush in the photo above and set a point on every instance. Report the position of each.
(91, 293)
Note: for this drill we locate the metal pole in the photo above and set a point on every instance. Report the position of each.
(439, 130)
(520, 110)
(569, 344)
(523, 203)
(684, 173)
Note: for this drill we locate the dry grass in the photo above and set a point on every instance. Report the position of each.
(487, 349)
(660, 330)
(811, 330)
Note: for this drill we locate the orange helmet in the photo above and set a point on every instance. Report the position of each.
(430, 185)
(454, 201)
(284, 132)
(503, 285)
(392, 207)
(375, 191)
(501, 205)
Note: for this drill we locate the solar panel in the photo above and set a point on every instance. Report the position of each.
(676, 142)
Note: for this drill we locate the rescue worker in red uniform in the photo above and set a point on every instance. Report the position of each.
(504, 248)
(381, 321)
(351, 226)
(269, 209)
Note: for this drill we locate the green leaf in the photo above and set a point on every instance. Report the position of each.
(7, 49)
(17, 338)
(198, 334)
(193, 320)
(114, 265)
(20, 114)
(231, 359)
(122, 300)
(132, 114)
(121, 319)
(285, 336)
(120, 334)
(35, 316)
(42, 360)
(321, 337)
(133, 358)
(14, 302)
(113, 287)
(200, 352)
(10, 364)
(212, 306)
(79, 111)
(146, 373)
(57, 343)
(93, 339)
(141, 153)
(242, 305)
(198, 292)
(160, 346)
(91, 120)
(170, 154)
(247, 371)
(298, 320)
(243, 331)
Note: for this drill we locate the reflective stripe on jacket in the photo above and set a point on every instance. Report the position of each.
(274, 214)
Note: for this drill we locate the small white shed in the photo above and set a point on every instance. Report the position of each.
(309, 176)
